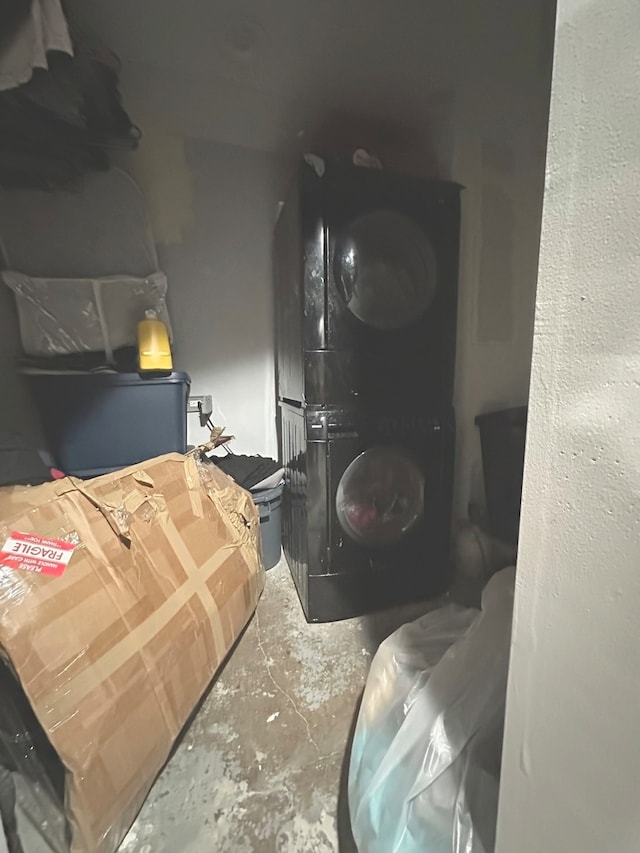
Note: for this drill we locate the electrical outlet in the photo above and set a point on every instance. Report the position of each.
(202, 406)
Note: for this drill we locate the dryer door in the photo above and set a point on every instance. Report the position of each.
(380, 496)
(385, 270)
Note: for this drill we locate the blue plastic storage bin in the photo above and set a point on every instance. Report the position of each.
(99, 422)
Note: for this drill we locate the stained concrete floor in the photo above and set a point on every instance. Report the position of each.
(261, 768)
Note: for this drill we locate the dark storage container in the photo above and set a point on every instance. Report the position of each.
(269, 502)
(20, 464)
(100, 422)
(502, 436)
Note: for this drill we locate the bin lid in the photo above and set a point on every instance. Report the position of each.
(107, 377)
(513, 417)
(263, 496)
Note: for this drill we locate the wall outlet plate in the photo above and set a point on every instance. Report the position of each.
(202, 406)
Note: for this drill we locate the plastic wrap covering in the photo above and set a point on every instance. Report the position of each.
(31, 778)
(425, 764)
(119, 599)
(64, 316)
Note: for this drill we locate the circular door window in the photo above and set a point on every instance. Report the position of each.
(380, 496)
(385, 269)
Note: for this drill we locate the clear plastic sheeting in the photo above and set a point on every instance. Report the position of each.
(65, 316)
(425, 763)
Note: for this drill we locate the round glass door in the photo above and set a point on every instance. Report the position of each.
(385, 269)
(380, 496)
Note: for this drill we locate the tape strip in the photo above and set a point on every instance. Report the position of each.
(119, 526)
(192, 477)
(100, 671)
(191, 567)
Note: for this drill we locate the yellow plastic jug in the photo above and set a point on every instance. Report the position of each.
(154, 349)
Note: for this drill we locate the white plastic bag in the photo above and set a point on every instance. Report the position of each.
(425, 761)
(61, 316)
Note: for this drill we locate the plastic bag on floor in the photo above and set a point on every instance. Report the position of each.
(425, 761)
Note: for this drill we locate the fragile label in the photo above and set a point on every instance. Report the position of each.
(32, 553)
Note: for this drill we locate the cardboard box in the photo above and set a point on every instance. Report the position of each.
(115, 642)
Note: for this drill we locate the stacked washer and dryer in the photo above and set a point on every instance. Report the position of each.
(366, 268)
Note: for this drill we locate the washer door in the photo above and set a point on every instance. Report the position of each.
(385, 270)
(380, 496)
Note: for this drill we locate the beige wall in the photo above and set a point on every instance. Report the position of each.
(571, 761)
(212, 208)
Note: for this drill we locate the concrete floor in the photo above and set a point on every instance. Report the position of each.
(260, 768)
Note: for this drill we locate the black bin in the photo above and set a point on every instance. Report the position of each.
(502, 437)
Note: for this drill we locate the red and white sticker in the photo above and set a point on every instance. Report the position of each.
(35, 554)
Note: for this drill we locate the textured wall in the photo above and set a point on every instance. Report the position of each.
(571, 764)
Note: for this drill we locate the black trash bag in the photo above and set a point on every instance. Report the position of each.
(31, 776)
(247, 471)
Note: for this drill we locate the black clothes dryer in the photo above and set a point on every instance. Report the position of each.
(367, 508)
(366, 268)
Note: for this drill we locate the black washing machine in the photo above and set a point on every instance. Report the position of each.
(367, 508)
(366, 268)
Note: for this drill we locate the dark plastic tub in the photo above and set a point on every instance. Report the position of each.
(100, 422)
(502, 436)
(269, 503)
